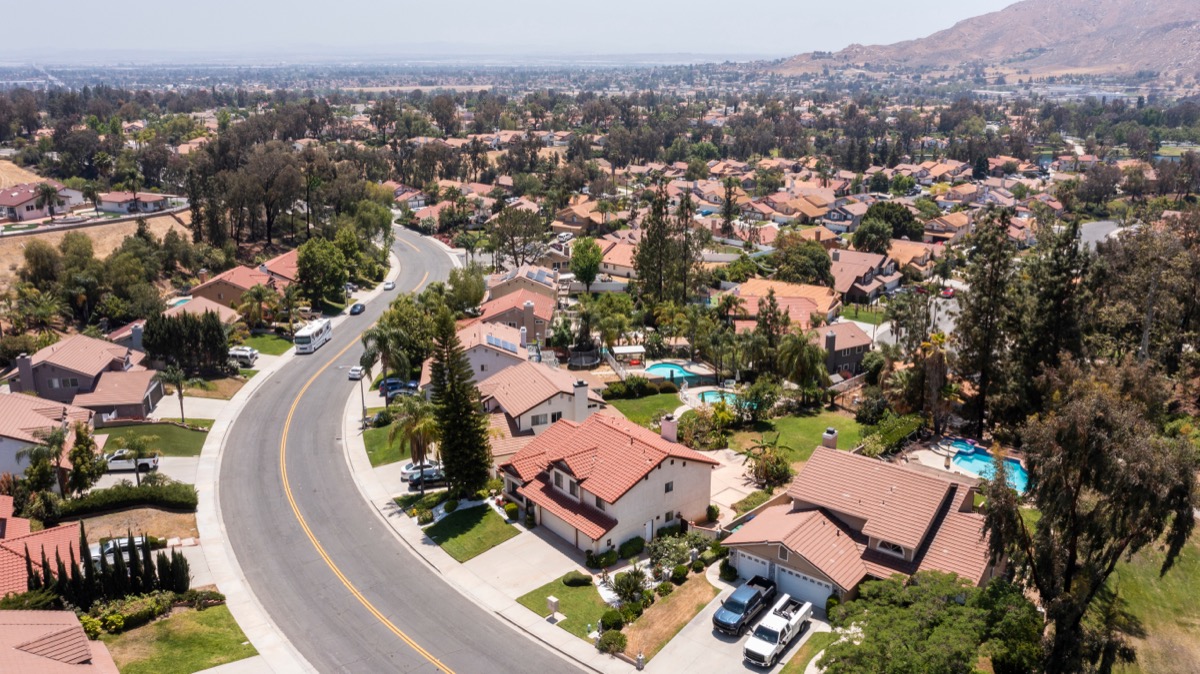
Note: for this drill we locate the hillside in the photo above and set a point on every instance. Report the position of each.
(1046, 37)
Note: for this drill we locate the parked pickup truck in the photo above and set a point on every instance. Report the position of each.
(122, 459)
(786, 620)
(743, 605)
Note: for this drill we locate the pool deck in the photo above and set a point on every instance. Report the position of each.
(940, 454)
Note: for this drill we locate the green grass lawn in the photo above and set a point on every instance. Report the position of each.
(1166, 607)
(429, 501)
(815, 644)
(802, 434)
(642, 410)
(247, 373)
(269, 343)
(862, 314)
(752, 501)
(182, 644)
(203, 423)
(465, 534)
(172, 440)
(21, 228)
(380, 451)
(581, 605)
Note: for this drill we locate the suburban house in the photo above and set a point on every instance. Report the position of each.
(618, 259)
(529, 312)
(489, 347)
(822, 235)
(526, 277)
(24, 420)
(828, 302)
(845, 345)
(604, 481)
(129, 202)
(50, 642)
(845, 219)
(854, 519)
(130, 334)
(556, 256)
(19, 202)
(15, 536)
(950, 228)
(88, 372)
(227, 287)
(862, 277)
(917, 256)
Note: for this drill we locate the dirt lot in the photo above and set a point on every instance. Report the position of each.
(11, 174)
(667, 616)
(105, 239)
(153, 521)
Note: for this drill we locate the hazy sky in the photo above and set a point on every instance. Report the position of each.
(402, 27)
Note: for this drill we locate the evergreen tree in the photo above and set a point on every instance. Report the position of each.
(33, 581)
(78, 584)
(652, 258)
(135, 567)
(465, 450)
(91, 577)
(107, 584)
(729, 208)
(773, 323)
(62, 580)
(119, 578)
(165, 577)
(181, 579)
(48, 580)
(149, 579)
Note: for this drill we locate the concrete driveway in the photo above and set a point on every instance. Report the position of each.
(179, 468)
(525, 562)
(699, 649)
(730, 483)
(194, 408)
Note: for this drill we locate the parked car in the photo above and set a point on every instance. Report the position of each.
(391, 395)
(245, 356)
(390, 384)
(432, 477)
(110, 548)
(123, 459)
(357, 372)
(357, 308)
(390, 285)
(410, 469)
(947, 292)
(746, 602)
(783, 624)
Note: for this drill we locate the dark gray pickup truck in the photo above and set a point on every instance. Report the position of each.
(746, 602)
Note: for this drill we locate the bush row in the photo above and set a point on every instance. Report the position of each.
(637, 387)
(173, 496)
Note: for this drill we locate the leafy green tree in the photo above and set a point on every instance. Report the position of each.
(799, 261)
(586, 257)
(652, 259)
(518, 236)
(1107, 484)
(873, 236)
(44, 459)
(322, 270)
(903, 223)
(466, 289)
(465, 450)
(772, 323)
(87, 466)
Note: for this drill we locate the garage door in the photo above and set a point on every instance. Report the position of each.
(559, 526)
(749, 566)
(802, 587)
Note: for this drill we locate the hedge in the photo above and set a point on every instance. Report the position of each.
(613, 642)
(173, 496)
(679, 574)
(612, 620)
(134, 611)
(632, 547)
(577, 579)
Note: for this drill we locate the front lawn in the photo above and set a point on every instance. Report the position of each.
(202, 423)
(582, 606)
(429, 501)
(642, 410)
(269, 343)
(864, 314)
(802, 434)
(752, 501)
(465, 534)
(172, 440)
(815, 644)
(184, 643)
(662, 621)
(380, 451)
(1166, 607)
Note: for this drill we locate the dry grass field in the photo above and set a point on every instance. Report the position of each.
(11, 174)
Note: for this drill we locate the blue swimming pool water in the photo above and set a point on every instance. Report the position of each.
(979, 461)
(672, 372)
(710, 397)
(181, 302)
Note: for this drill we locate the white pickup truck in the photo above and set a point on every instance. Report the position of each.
(122, 459)
(776, 630)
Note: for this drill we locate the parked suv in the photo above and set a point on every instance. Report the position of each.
(432, 478)
(245, 356)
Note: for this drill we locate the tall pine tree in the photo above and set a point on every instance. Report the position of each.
(652, 258)
(465, 450)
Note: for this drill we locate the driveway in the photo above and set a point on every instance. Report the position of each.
(525, 562)
(179, 468)
(194, 408)
(699, 649)
(730, 483)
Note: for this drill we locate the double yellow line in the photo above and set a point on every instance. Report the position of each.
(287, 490)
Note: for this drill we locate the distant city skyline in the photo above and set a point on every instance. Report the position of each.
(263, 29)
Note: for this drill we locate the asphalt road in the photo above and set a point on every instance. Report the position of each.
(322, 618)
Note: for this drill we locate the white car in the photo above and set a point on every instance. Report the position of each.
(123, 459)
(390, 285)
(411, 469)
(357, 372)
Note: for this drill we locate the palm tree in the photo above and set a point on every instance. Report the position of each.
(417, 425)
(40, 310)
(289, 302)
(730, 306)
(256, 303)
(91, 192)
(140, 446)
(175, 377)
(47, 197)
(768, 463)
(48, 451)
(803, 361)
(385, 340)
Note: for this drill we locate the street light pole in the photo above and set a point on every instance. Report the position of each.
(362, 394)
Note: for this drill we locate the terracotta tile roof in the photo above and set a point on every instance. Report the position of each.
(589, 521)
(122, 197)
(85, 355)
(200, 305)
(22, 416)
(50, 642)
(239, 277)
(522, 387)
(825, 298)
(285, 265)
(899, 505)
(824, 542)
(620, 255)
(799, 309)
(504, 436)
(543, 305)
(846, 335)
(607, 455)
(118, 388)
(905, 252)
(958, 546)
(11, 527)
(63, 538)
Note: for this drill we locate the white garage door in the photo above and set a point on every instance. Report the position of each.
(802, 587)
(559, 526)
(749, 566)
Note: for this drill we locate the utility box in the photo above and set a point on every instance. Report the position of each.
(552, 605)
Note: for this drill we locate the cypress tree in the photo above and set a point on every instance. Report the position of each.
(33, 581)
(48, 581)
(62, 583)
(165, 580)
(135, 566)
(106, 585)
(120, 577)
(181, 578)
(149, 581)
(91, 577)
(78, 584)
(465, 450)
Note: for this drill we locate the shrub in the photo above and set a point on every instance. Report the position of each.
(679, 574)
(91, 626)
(384, 418)
(135, 611)
(637, 387)
(200, 599)
(632, 547)
(708, 557)
(577, 579)
(450, 505)
(668, 387)
(831, 603)
(616, 391)
(173, 496)
(668, 531)
(608, 558)
(613, 642)
(665, 589)
(647, 598)
(494, 485)
(668, 551)
(612, 620)
(713, 512)
(631, 611)
(698, 566)
(424, 516)
(628, 586)
(530, 519)
(510, 510)
(728, 572)
(113, 623)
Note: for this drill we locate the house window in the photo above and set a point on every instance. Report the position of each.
(783, 553)
(555, 416)
(538, 420)
(558, 480)
(890, 548)
(670, 516)
(70, 382)
(599, 503)
(54, 383)
(483, 367)
(574, 488)
(669, 488)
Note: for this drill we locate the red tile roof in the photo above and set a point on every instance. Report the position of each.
(22, 416)
(543, 305)
(118, 388)
(50, 642)
(589, 521)
(198, 306)
(61, 539)
(85, 355)
(823, 541)
(524, 386)
(505, 438)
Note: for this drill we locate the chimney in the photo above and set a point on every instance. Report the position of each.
(524, 336)
(263, 268)
(835, 254)
(830, 342)
(135, 336)
(580, 403)
(670, 428)
(829, 438)
(25, 374)
(529, 320)
(203, 274)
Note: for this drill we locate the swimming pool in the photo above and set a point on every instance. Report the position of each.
(978, 461)
(180, 302)
(710, 397)
(672, 372)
